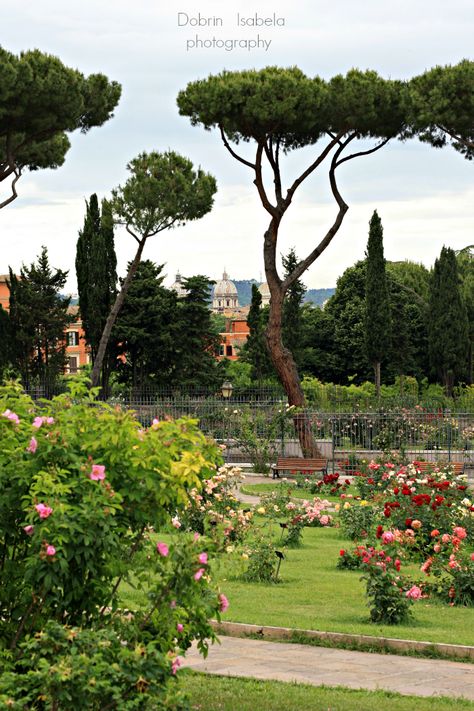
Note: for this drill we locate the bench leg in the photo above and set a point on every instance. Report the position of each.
(275, 474)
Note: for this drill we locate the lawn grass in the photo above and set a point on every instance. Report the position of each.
(315, 595)
(218, 693)
(258, 489)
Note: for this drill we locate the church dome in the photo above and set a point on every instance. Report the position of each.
(178, 287)
(225, 294)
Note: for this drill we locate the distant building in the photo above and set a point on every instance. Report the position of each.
(224, 295)
(178, 287)
(264, 290)
(233, 338)
(4, 292)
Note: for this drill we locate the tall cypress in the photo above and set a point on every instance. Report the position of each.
(198, 346)
(377, 301)
(96, 270)
(447, 322)
(255, 350)
(292, 323)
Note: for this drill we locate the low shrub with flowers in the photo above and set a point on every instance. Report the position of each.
(351, 559)
(451, 563)
(419, 503)
(329, 484)
(372, 478)
(389, 594)
(357, 518)
(215, 510)
(81, 486)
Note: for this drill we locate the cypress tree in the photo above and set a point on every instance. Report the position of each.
(255, 349)
(147, 329)
(198, 345)
(447, 322)
(377, 302)
(292, 328)
(96, 270)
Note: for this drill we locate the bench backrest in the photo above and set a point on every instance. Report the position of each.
(300, 462)
(457, 467)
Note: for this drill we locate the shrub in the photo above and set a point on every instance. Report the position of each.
(356, 519)
(388, 598)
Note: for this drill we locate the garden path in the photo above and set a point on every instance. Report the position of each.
(335, 667)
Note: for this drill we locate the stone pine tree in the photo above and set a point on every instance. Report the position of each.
(163, 191)
(262, 115)
(41, 101)
(255, 350)
(148, 331)
(39, 317)
(291, 321)
(96, 271)
(377, 301)
(198, 346)
(441, 107)
(447, 322)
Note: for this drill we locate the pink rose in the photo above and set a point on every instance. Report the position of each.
(437, 547)
(50, 550)
(44, 510)
(472, 556)
(176, 522)
(460, 532)
(202, 557)
(198, 574)
(98, 472)
(414, 592)
(324, 520)
(180, 627)
(224, 603)
(387, 537)
(162, 549)
(445, 537)
(11, 416)
(32, 446)
(175, 665)
(29, 530)
(196, 537)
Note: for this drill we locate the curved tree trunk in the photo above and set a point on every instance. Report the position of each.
(286, 369)
(112, 317)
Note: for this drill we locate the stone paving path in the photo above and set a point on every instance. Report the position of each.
(335, 667)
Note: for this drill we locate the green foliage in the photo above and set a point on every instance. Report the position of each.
(292, 309)
(385, 589)
(442, 106)
(261, 562)
(40, 101)
(258, 433)
(357, 519)
(38, 318)
(149, 331)
(96, 264)
(377, 316)
(255, 350)
(197, 348)
(447, 324)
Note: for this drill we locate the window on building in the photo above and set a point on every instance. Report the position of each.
(228, 302)
(73, 338)
(228, 350)
(72, 366)
(221, 350)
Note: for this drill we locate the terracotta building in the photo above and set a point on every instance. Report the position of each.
(233, 338)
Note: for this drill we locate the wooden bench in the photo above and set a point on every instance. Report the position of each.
(299, 464)
(457, 467)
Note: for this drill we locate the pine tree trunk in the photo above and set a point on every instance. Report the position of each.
(288, 374)
(112, 317)
(377, 378)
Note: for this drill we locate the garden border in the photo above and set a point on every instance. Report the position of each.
(242, 629)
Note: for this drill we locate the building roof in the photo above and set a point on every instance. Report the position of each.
(225, 287)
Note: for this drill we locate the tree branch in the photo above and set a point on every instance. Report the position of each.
(233, 153)
(343, 208)
(260, 186)
(272, 158)
(312, 168)
(14, 195)
(364, 153)
(464, 141)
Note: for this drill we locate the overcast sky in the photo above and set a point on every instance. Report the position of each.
(425, 197)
